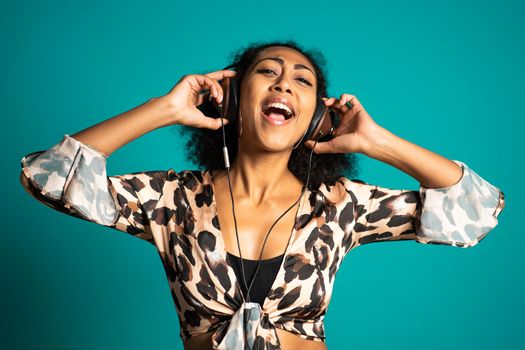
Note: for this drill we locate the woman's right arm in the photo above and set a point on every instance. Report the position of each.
(179, 106)
(111, 134)
(71, 175)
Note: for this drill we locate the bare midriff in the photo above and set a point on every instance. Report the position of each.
(289, 341)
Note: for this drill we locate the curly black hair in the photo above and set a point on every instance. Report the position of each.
(204, 146)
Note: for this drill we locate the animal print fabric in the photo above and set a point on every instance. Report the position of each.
(176, 213)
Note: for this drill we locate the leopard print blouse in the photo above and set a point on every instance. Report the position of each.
(176, 212)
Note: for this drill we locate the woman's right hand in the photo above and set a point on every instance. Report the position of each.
(185, 96)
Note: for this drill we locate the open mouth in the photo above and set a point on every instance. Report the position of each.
(278, 111)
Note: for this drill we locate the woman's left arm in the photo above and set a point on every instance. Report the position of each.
(430, 169)
(454, 205)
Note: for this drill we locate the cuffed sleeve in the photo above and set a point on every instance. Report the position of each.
(71, 177)
(460, 215)
(74, 173)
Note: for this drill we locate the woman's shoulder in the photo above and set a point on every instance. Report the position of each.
(185, 174)
(344, 189)
(191, 179)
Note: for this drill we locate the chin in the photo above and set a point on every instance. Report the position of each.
(278, 148)
(273, 144)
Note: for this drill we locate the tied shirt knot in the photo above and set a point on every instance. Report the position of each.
(249, 329)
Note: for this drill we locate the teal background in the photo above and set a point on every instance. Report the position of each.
(447, 76)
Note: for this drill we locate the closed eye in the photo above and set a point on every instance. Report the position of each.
(306, 81)
(266, 70)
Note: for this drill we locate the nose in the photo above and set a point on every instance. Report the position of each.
(281, 85)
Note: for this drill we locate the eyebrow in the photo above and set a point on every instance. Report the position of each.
(281, 61)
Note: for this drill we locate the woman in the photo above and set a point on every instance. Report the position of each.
(209, 256)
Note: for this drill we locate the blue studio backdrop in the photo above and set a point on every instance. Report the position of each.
(445, 75)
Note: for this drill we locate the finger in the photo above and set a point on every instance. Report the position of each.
(346, 102)
(205, 82)
(338, 103)
(218, 89)
(324, 147)
(333, 103)
(212, 84)
(219, 122)
(346, 98)
(354, 102)
(309, 143)
(321, 147)
(221, 74)
(215, 123)
(329, 101)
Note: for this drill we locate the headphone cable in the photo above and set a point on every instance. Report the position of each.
(227, 165)
(267, 235)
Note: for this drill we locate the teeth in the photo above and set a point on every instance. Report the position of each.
(280, 106)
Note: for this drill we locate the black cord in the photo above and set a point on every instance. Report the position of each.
(298, 199)
(235, 220)
(227, 165)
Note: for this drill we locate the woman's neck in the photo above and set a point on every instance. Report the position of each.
(263, 175)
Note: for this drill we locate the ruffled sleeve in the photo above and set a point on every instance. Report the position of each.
(71, 177)
(460, 215)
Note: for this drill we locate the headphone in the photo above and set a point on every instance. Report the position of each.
(321, 127)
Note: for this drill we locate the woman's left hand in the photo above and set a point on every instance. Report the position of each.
(355, 131)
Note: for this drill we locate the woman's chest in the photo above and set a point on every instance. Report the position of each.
(308, 234)
(270, 224)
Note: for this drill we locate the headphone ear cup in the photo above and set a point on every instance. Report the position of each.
(234, 99)
(228, 109)
(323, 123)
(316, 120)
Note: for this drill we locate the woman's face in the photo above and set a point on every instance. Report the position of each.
(278, 72)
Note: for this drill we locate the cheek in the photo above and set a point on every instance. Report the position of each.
(248, 97)
(307, 111)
